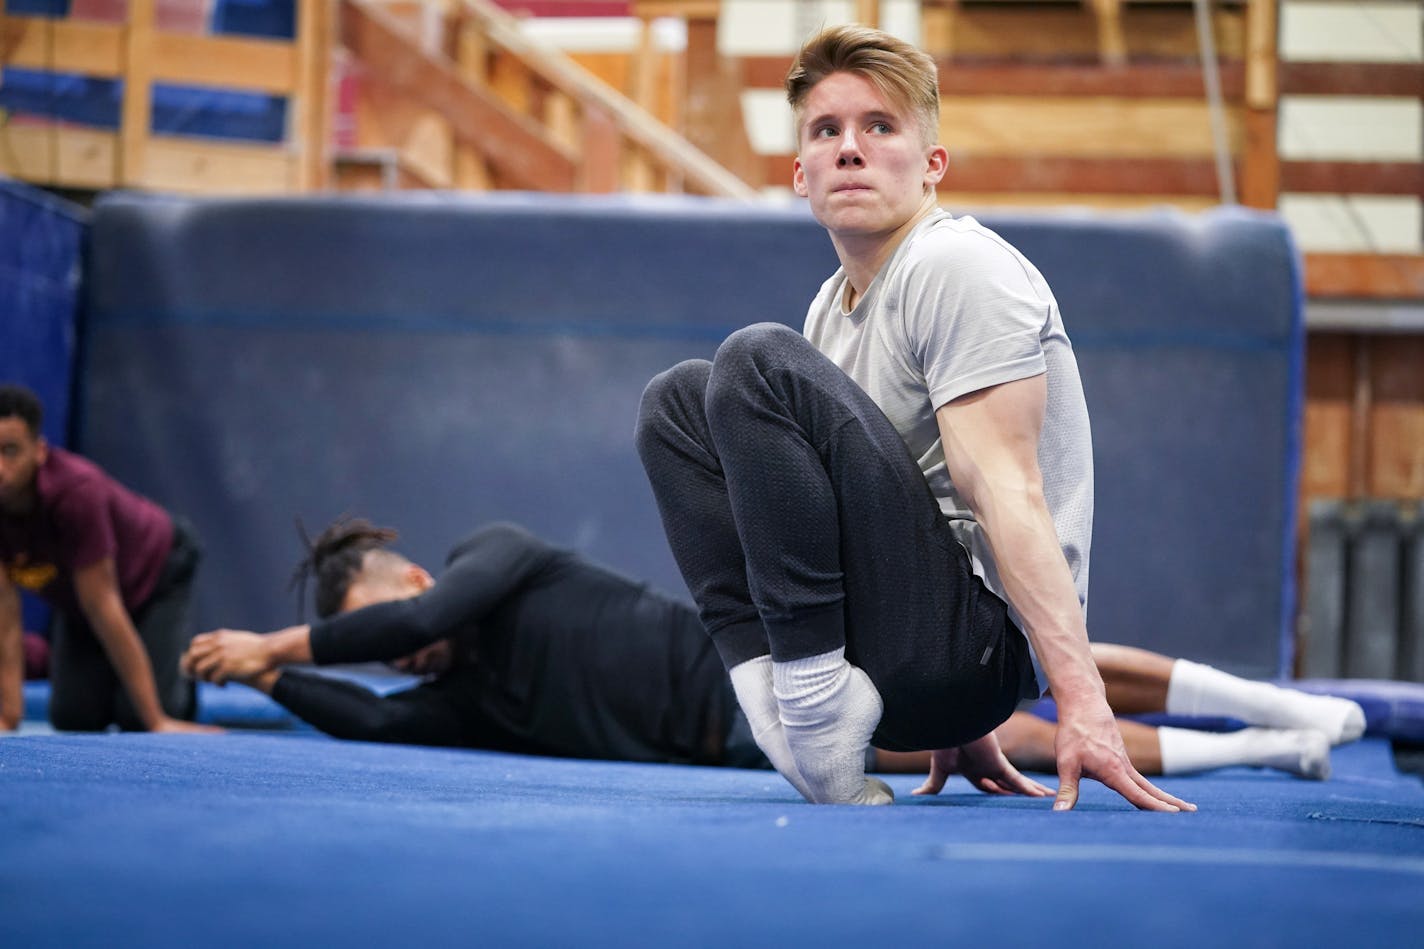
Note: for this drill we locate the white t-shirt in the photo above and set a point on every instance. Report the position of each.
(957, 309)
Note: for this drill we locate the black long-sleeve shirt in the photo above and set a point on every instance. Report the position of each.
(555, 654)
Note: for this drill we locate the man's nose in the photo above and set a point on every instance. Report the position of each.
(849, 151)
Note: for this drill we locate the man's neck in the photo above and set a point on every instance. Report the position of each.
(862, 255)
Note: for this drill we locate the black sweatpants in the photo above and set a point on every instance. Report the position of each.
(801, 524)
(85, 691)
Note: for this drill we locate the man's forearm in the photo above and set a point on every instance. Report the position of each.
(116, 633)
(1040, 587)
(97, 588)
(288, 646)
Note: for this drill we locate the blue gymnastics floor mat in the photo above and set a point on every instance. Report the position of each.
(281, 840)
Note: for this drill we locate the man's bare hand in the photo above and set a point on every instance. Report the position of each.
(226, 654)
(983, 763)
(1089, 744)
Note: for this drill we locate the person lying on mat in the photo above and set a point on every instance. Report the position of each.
(531, 648)
(872, 515)
(1288, 730)
(117, 568)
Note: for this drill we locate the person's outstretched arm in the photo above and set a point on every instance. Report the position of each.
(225, 655)
(991, 441)
(481, 573)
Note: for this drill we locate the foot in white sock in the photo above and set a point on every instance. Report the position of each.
(1302, 752)
(1341, 720)
(751, 680)
(830, 709)
(1196, 689)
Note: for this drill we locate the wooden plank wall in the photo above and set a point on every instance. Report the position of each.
(140, 53)
(1364, 411)
(1364, 417)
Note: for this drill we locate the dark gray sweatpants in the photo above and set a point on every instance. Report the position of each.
(801, 524)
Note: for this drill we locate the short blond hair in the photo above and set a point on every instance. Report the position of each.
(903, 74)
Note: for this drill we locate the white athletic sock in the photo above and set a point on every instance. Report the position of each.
(751, 680)
(830, 709)
(1195, 689)
(1302, 752)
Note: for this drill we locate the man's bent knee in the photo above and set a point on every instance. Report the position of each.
(751, 343)
(667, 394)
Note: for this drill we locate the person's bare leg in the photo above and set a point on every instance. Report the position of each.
(1028, 740)
(1136, 679)
(1140, 682)
(902, 762)
(1028, 743)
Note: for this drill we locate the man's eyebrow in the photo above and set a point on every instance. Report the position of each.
(874, 115)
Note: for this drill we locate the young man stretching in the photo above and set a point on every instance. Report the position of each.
(868, 515)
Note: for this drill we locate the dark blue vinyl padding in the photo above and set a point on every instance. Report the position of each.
(435, 361)
(40, 240)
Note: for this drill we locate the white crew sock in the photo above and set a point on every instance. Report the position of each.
(1302, 752)
(1195, 689)
(751, 680)
(830, 709)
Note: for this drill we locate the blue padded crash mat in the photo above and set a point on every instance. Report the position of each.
(243, 839)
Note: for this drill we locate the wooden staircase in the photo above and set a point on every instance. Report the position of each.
(521, 115)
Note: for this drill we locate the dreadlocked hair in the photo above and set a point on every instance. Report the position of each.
(334, 559)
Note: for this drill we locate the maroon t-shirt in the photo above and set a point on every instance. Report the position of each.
(84, 516)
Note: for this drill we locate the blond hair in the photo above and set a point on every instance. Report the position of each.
(904, 75)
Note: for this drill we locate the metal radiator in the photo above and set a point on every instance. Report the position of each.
(1364, 591)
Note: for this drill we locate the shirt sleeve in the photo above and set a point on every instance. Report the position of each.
(480, 573)
(973, 317)
(83, 528)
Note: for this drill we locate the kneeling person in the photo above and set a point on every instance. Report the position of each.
(117, 568)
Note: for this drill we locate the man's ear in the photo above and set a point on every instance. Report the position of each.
(798, 178)
(42, 451)
(936, 164)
